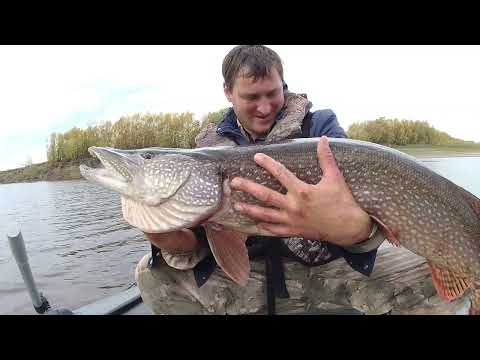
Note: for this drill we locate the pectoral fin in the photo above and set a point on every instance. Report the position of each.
(230, 252)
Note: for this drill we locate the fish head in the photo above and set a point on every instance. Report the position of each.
(149, 180)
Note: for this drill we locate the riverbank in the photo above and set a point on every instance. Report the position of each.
(70, 170)
(43, 172)
(428, 151)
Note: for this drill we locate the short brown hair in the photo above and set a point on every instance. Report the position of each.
(253, 60)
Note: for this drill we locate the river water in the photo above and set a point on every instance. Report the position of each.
(80, 249)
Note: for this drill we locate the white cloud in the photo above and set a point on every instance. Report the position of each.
(43, 87)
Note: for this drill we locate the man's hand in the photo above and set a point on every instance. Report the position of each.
(326, 211)
(175, 242)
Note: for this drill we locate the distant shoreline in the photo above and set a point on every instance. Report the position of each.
(42, 172)
(431, 151)
(70, 170)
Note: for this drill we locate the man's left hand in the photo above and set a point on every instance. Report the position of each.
(325, 211)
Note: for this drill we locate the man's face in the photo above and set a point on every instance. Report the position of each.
(257, 103)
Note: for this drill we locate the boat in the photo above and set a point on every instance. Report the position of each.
(394, 266)
(127, 302)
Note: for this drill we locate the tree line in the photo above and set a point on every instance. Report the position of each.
(178, 130)
(400, 132)
(173, 130)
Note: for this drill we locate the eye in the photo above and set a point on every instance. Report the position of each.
(272, 93)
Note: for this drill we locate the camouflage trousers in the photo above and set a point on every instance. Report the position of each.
(330, 287)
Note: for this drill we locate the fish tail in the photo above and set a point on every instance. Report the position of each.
(449, 285)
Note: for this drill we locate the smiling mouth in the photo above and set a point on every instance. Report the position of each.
(265, 119)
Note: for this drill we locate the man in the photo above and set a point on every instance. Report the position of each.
(315, 224)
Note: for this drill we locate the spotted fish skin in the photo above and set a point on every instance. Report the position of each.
(417, 208)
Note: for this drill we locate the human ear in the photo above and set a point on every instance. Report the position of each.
(227, 92)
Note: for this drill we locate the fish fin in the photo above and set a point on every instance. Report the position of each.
(230, 252)
(389, 233)
(449, 286)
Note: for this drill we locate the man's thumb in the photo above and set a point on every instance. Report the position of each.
(326, 159)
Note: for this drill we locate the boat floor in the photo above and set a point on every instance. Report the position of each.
(129, 302)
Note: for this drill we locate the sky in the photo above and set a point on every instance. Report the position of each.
(46, 89)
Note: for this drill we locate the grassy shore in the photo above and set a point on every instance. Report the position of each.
(42, 172)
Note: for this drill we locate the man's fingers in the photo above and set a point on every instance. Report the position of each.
(260, 192)
(259, 213)
(278, 171)
(326, 159)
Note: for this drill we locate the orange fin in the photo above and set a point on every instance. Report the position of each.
(390, 234)
(230, 252)
(449, 286)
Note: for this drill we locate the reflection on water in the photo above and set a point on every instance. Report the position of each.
(81, 249)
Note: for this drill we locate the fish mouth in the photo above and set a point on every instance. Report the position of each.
(119, 169)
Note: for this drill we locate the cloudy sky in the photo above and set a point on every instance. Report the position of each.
(45, 89)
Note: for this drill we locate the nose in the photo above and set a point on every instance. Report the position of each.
(264, 107)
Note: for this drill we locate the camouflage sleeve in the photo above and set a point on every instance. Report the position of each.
(374, 240)
(187, 260)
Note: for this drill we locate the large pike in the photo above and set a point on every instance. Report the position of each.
(163, 190)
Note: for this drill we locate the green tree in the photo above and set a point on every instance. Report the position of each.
(400, 132)
(174, 130)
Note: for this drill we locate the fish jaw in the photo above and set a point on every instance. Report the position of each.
(119, 170)
(121, 166)
(104, 178)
